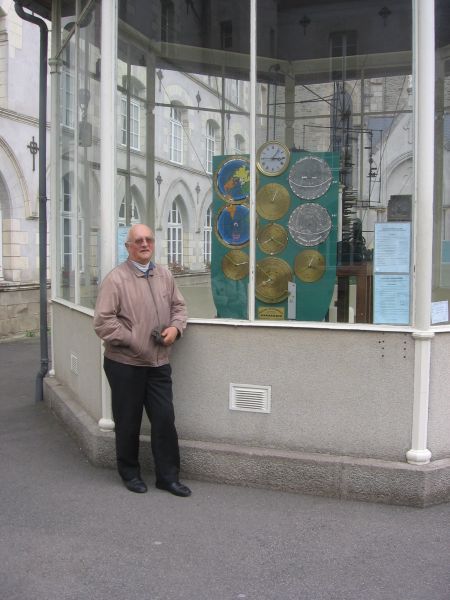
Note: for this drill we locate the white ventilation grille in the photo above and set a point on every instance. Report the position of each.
(251, 398)
(74, 364)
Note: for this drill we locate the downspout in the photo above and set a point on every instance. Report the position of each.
(39, 395)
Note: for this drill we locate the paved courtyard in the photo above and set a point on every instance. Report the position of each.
(70, 531)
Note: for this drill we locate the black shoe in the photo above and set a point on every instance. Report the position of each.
(135, 485)
(174, 487)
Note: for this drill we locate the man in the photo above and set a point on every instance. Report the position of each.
(139, 314)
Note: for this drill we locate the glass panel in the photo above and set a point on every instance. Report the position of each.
(335, 156)
(64, 258)
(187, 65)
(441, 236)
(88, 123)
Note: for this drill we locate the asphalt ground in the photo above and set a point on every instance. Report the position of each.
(70, 531)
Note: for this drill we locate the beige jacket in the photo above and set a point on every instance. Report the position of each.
(129, 306)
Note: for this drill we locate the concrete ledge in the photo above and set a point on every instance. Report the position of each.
(342, 477)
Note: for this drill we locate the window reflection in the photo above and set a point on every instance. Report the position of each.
(334, 84)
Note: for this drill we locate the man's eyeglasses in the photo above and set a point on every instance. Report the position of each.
(140, 241)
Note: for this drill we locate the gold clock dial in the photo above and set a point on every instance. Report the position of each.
(272, 238)
(235, 264)
(272, 201)
(309, 265)
(272, 278)
(273, 158)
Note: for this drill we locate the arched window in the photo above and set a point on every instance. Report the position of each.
(176, 135)
(239, 144)
(174, 238)
(134, 214)
(207, 232)
(211, 144)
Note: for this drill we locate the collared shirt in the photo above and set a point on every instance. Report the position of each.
(144, 268)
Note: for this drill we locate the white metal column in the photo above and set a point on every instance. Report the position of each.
(109, 32)
(55, 160)
(424, 84)
(252, 248)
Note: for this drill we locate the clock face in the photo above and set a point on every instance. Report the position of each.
(310, 178)
(235, 264)
(309, 224)
(272, 238)
(272, 278)
(309, 265)
(232, 180)
(233, 225)
(273, 158)
(272, 201)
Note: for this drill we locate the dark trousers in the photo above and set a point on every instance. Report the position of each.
(132, 389)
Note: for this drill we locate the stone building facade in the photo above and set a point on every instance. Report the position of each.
(19, 154)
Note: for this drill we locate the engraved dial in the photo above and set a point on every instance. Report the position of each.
(272, 238)
(272, 278)
(309, 265)
(310, 177)
(235, 264)
(309, 224)
(272, 201)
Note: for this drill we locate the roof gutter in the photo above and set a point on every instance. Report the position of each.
(39, 395)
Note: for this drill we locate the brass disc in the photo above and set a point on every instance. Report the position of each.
(310, 265)
(272, 238)
(272, 201)
(235, 264)
(272, 278)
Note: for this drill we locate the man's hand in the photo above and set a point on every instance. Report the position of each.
(169, 335)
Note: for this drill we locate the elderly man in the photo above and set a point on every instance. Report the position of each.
(139, 314)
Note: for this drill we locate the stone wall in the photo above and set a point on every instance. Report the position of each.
(19, 309)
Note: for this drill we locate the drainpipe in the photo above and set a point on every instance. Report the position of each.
(39, 395)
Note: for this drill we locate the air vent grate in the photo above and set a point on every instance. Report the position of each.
(251, 398)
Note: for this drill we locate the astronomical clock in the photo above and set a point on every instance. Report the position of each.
(296, 233)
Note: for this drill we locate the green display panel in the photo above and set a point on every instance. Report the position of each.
(296, 234)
